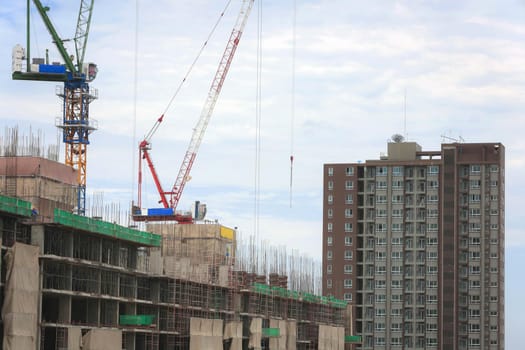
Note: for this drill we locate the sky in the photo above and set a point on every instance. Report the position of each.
(352, 75)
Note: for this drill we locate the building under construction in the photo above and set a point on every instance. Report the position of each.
(79, 282)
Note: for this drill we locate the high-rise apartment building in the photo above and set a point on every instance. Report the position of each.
(415, 240)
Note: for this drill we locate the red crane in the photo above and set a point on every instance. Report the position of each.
(170, 199)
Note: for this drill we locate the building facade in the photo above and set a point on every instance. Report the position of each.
(415, 241)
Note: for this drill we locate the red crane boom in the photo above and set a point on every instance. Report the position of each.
(170, 199)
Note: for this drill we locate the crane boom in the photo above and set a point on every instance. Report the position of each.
(199, 130)
(82, 31)
(209, 105)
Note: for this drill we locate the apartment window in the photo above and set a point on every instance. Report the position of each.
(432, 270)
(397, 241)
(328, 269)
(397, 270)
(473, 342)
(397, 255)
(380, 270)
(330, 199)
(395, 312)
(380, 340)
(329, 255)
(348, 255)
(494, 183)
(433, 170)
(397, 227)
(432, 255)
(396, 297)
(380, 298)
(432, 341)
(380, 284)
(432, 327)
(493, 270)
(475, 299)
(475, 270)
(433, 198)
(432, 284)
(493, 197)
(494, 168)
(381, 185)
(330, 185)
(432, 241)
(381, 228)
(493, 226)
(433, 184)
(381, 241)
(475, 284)
(330, 213)
(349, 198)
(475, 240)
(348, 283)
(380, 326)
(432, 213)
(395, 327)
(381, 213)
(432, 312)
(349, 227)
(475, 211)
(349, 185)
(494, 212)
(475, 198)
(329, 240)
(381, 199)
(474, 327)
(397, 184)
(493, 255)
(348, 269)
(348, 241)
(397, 213)
(349, 213)
(348, 296)
(380, 255)
(475, 169)
(432, 227)
(381, 171)
(350, 171)
(475, 183)
(380, 312)
(475, 255)
(397, 171)
(474, 227)
(328, 283)
(432, 299)
(396, 284)
(330, 171)
(397, 199)
(330, 227)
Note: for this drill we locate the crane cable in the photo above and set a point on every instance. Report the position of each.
(293, 99)
(257, 176)
(135, 92)
(196, 58)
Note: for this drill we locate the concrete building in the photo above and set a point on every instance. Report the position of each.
(415, 241)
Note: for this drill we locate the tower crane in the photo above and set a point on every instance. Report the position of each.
(170, 199)
(76, 94)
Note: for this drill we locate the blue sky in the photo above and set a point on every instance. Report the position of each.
(460, 63)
